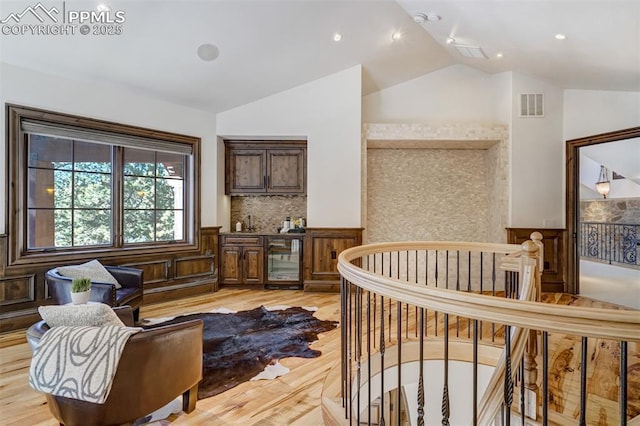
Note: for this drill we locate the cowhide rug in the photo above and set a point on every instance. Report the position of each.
(238, 346)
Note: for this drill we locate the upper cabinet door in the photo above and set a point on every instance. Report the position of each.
(246, 171)
(286, 171)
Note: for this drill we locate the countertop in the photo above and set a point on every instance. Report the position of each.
(263, 234)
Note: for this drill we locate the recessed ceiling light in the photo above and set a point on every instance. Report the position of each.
(337, 37)
(208, 52)
(397, 35)
(102, 7)
(560, 36)
(499, 55)
(451, 40)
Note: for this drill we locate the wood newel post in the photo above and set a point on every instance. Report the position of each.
(533, 249)
(536, 237)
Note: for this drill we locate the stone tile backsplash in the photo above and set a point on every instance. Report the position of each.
(267, 211)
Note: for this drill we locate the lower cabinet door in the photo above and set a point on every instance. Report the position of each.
(230, 266)
(253, 259)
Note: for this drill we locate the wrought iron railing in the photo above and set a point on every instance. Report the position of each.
(614, 243)
(409, 306)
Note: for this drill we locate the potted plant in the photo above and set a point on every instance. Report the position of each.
(80, 290)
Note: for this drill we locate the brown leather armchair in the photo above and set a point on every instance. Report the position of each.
(155, 367)
(129, 294)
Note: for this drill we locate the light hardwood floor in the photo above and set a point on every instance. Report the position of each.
(293, 399)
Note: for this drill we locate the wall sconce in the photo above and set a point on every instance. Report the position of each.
(50, 190)
(603, 185)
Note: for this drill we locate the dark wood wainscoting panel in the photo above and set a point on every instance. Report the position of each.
(169, 276)
(195, 266)
(154, 271)
(553, 240)
(17, 290)
(322, 248)
(209, 241)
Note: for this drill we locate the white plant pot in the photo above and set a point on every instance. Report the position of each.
(80, 298)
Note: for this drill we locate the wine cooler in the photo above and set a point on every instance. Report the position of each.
(284, 262)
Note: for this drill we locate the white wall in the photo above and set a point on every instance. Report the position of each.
(328, 113)
(462, 94)
(591, 112)
(537, 164)
(458, 93)
(35, 89)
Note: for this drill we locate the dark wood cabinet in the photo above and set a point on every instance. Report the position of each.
(553, 241)
(246, 171)
(265, 168)
(241, 260)
(285, 171)
(323, 246)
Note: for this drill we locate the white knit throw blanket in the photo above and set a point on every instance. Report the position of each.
(78, 362)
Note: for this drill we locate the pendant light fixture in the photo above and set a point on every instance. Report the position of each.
(603, 184)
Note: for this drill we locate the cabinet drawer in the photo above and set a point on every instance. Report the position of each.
(244, 240)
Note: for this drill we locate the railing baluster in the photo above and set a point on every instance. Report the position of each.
(446, 268)
(583, 383)
(545, 378)
(493, 293)
(445, 391)
(457, 284)
(358, 349)
(426, 283)
(375, 301)
(481, 278)
(436, 270)
(469, 291)
(343, 343)
(350, 345)
(437, 263)
(382, 349)
(416, 264)
(421, 376)
(522, 392)
(623, 383)
(399, 368)
(475, 372)
(508, 377)
(389, 319)
(390, 275)
(369, 331)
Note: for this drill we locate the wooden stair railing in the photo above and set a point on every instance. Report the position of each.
(526, 318)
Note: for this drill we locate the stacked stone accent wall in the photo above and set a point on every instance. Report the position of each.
(436, 194)
(615, 210)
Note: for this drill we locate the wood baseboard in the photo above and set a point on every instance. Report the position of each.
(322, 286)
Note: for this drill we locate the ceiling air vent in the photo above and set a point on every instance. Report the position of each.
(532, 105)
(471, 51)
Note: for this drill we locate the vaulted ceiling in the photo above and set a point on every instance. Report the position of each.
(267, 46)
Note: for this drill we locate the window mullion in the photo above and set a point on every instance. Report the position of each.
(117, 197)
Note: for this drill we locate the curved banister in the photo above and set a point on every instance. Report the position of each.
(591, 322)
(509, 302)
